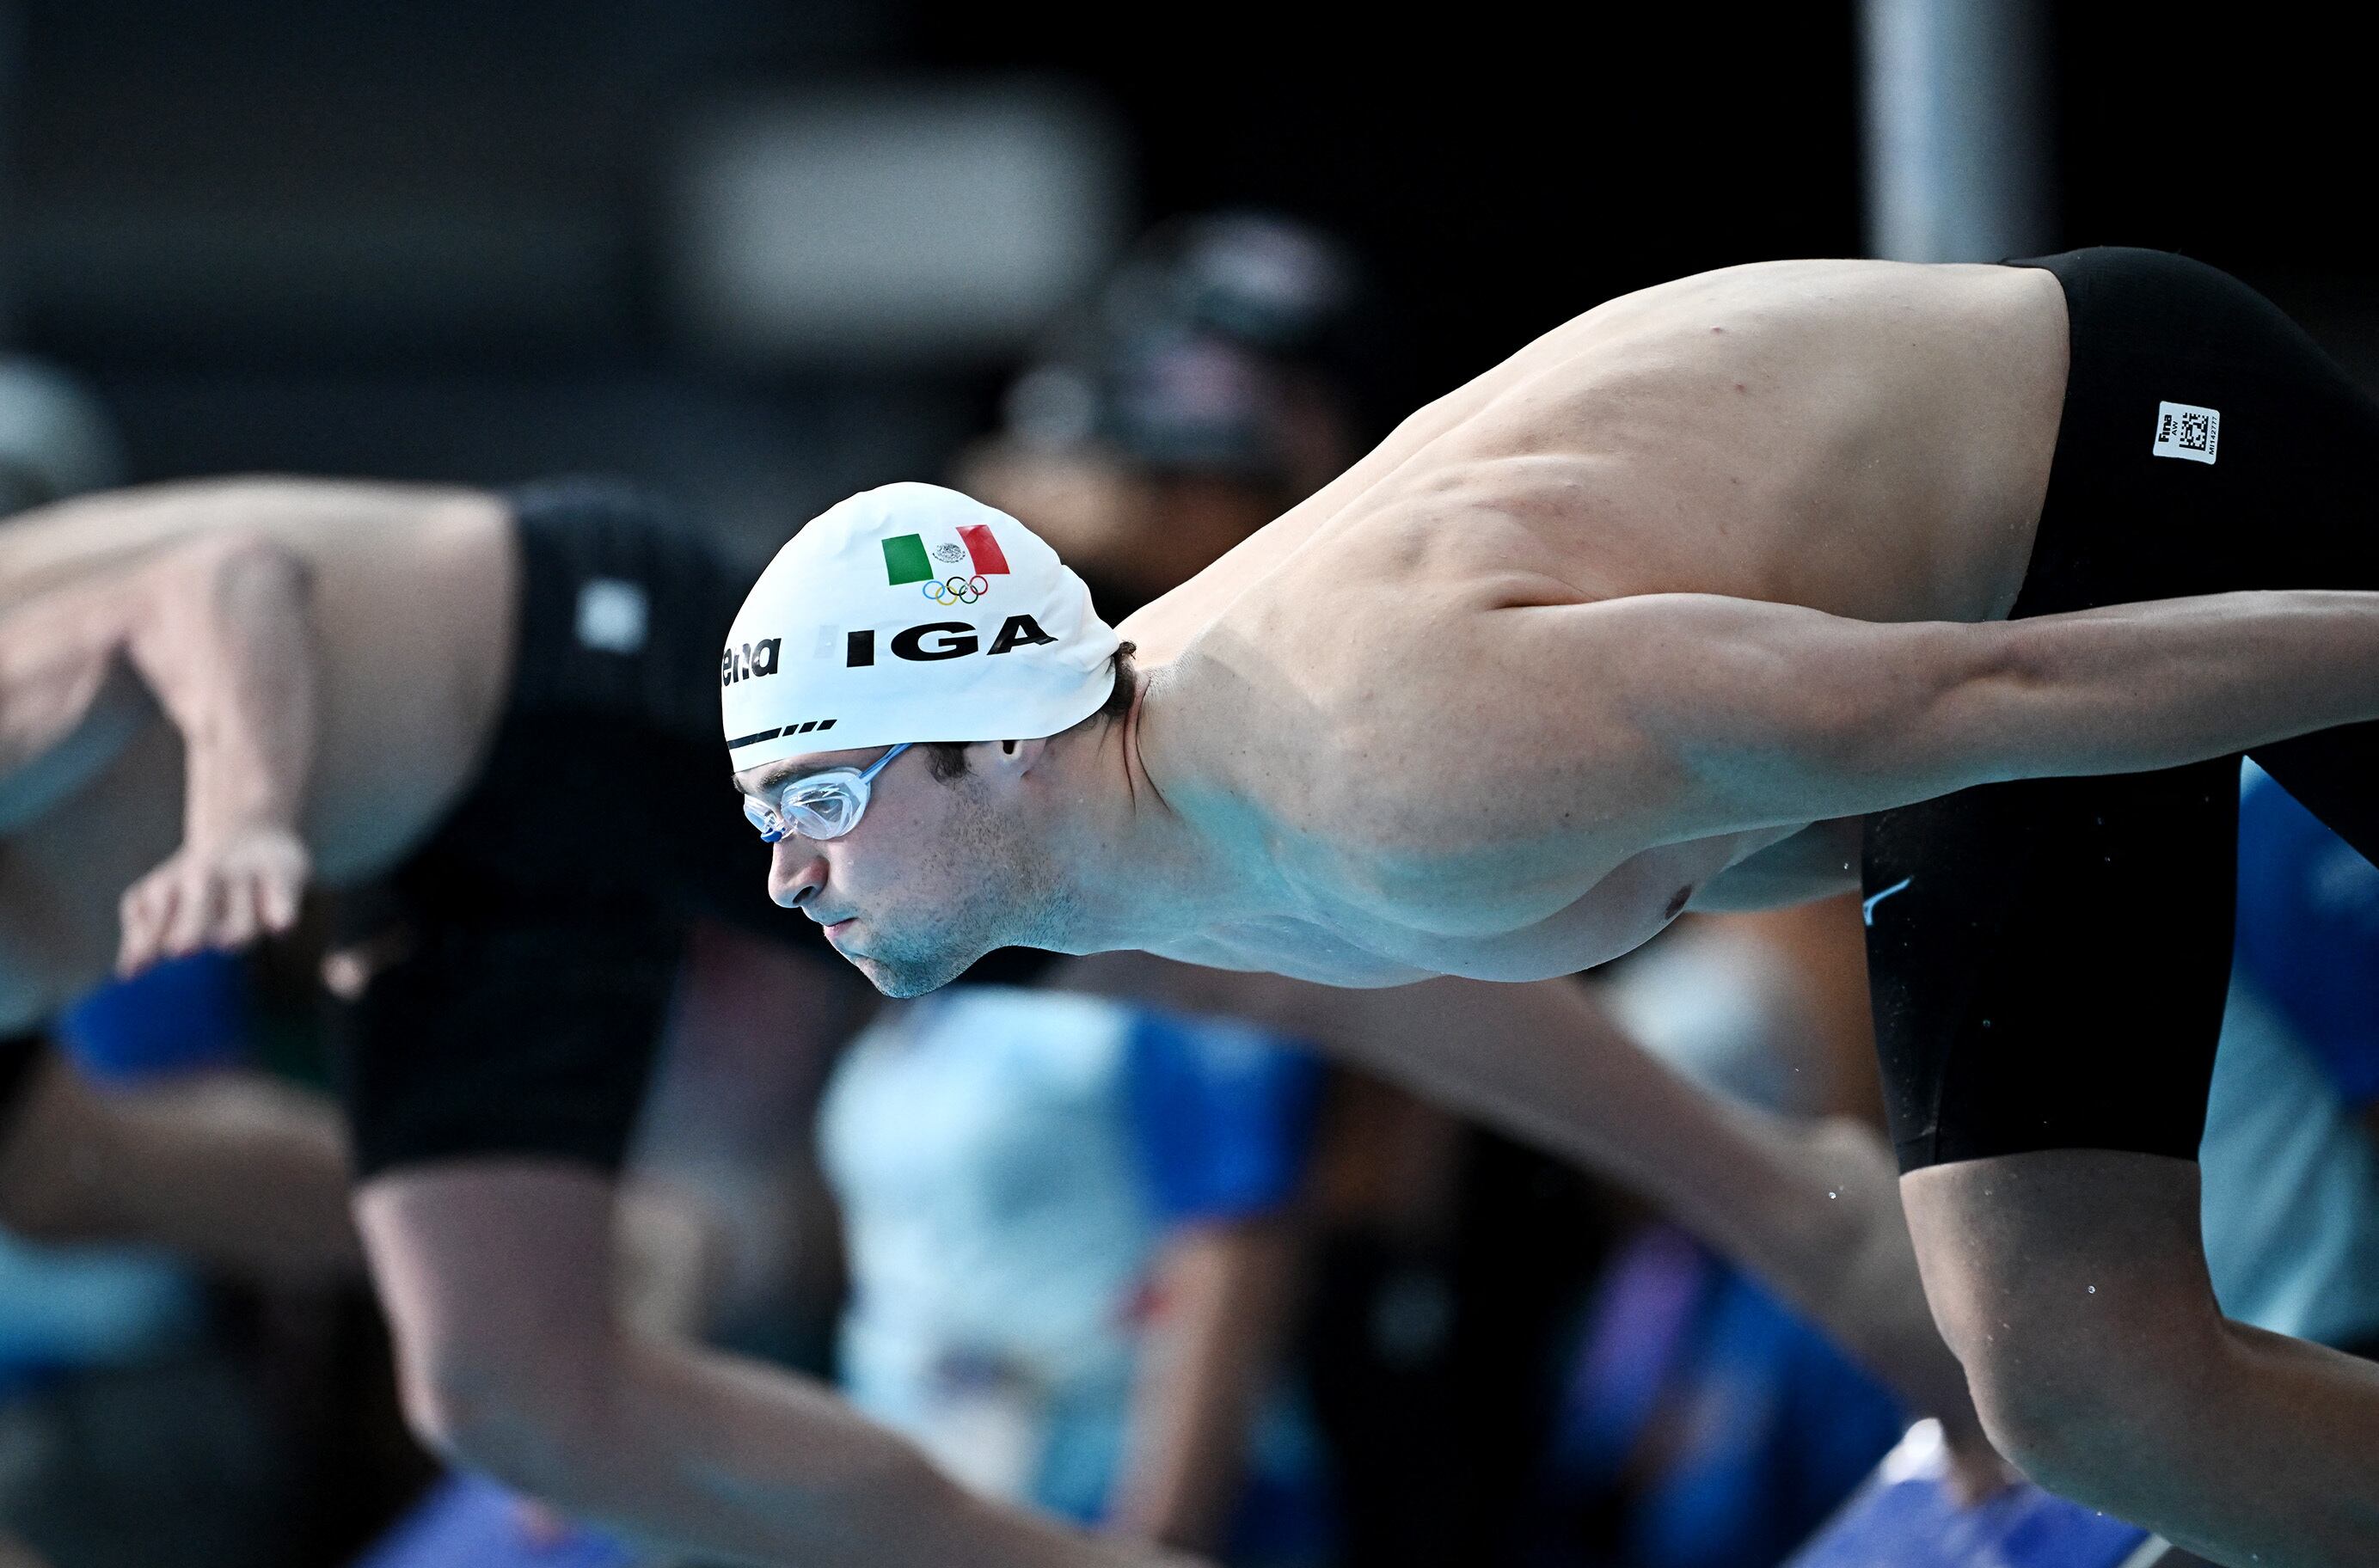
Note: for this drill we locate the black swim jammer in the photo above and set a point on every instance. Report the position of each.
(2050, 957)
(540, 928)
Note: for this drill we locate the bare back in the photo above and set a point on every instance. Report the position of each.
(1866, 438)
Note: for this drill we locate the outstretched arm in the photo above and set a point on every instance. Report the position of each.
(219, 627)
(495, 1275)
(1812, 1209)
(1714, 715)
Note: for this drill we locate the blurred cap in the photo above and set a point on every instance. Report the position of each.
(1195, 353)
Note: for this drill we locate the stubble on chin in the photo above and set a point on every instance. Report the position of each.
(1013, 902)
(901, 981)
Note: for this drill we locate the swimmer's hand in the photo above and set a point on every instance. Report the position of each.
(221, 895)
(1879, 1311)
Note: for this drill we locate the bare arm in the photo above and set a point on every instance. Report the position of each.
(1812, 1210)
(1721, 715)
(220, 627)
(494, 1274)
(242, 1174)
(1224, 1290)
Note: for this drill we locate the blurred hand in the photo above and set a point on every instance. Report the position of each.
(218, 895)
(1881, 1315)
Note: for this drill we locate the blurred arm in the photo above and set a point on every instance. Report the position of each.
(219, 625)
(1224, 1290)
(495, 1274)
(1813, 1210)
(240, 1173)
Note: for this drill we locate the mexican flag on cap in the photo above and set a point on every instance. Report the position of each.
(906, 559)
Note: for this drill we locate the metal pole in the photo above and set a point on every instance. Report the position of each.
(1957, 142)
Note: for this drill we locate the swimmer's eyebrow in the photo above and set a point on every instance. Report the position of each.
(760, 786)
(768, 780)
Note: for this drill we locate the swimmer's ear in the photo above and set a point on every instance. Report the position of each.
(1011, 758)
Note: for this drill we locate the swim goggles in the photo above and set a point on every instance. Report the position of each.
(817, 805)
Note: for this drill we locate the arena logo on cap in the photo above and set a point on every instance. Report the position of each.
(757, 659)
(906, 560)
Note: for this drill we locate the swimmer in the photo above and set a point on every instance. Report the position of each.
(213, 694)
(2012, 562)
(242, 1175)
(1199, 395)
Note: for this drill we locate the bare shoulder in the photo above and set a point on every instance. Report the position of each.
(1436, 752)
(1478, 665)
(322, 521)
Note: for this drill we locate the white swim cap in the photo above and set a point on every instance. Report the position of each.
(911, 614)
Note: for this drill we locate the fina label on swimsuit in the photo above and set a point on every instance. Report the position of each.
(2185, 430)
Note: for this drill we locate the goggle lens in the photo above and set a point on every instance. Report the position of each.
(822, 811)
(823, 805)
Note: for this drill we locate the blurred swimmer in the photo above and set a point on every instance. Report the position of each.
(1605, 633)
(240, 1173)
(211, 694)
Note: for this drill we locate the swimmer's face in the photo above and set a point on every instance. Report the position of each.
(925, 883)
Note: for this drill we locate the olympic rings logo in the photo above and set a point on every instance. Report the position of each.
(957, 590)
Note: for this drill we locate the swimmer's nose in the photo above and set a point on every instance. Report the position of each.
(796, 871)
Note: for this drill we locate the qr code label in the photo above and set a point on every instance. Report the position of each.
(2185, 430)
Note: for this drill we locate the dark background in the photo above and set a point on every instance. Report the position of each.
(424, 239)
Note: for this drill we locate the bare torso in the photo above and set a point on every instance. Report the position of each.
(1866, 438)
(412, 624)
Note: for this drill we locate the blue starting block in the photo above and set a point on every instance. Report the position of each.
(1903, 1517)
(469, 1522)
